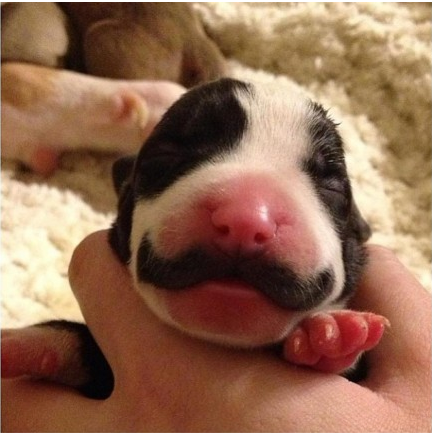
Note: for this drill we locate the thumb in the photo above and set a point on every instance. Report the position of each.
(111, 306)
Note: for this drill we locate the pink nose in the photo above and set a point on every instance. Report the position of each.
(243, 228)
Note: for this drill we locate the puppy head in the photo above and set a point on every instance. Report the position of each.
(237, 218)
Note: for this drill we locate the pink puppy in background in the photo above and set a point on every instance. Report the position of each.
(47, 111)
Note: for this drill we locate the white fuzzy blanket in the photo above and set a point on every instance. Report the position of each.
(369, 62)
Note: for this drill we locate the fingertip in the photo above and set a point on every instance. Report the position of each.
(91, 240)
(381, 250)
(84, 253)
(381, 256)
(386, 279)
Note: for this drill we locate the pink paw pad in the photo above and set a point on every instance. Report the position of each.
(44, 161)
(332, 341)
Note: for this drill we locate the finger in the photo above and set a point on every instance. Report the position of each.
(111, 306)
(389, 289)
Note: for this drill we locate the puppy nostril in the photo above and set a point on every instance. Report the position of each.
(223, 230)
(260, 238)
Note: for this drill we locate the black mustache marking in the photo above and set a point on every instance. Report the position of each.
(275, 281)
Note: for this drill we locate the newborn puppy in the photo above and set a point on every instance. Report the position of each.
(238, 224)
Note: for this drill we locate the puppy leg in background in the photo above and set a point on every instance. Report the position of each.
(58, 351)
(47, 111)
(333, 341)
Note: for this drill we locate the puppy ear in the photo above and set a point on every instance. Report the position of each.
(122, 170)
(360, 227)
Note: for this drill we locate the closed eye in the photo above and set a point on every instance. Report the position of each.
(323, 165)
(334, 185)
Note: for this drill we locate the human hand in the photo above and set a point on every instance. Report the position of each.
(167, 381)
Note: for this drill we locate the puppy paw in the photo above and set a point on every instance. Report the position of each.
(332, 341)
(131, 109)
(41, 353)
(28, 352)
(159, 95)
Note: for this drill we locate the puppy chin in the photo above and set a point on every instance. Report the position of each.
(227, 313)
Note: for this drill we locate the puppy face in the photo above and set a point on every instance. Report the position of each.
(237, 218)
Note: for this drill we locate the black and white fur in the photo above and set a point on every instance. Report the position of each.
(215, 133)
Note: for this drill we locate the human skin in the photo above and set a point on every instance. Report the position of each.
(167, 381)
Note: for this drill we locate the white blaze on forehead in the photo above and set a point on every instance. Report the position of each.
(277, 139)
(275, 142)
(277, 130)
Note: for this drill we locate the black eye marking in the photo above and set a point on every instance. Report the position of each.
(166, 153)
(158, 166)
(327, 169)
(208, 120)
(326, 164)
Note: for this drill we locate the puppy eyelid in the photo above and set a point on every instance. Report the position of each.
(335, 185)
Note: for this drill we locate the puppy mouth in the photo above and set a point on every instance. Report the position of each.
(228, 312)
(243, 276)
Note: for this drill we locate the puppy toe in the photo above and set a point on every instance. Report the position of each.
(298, 350)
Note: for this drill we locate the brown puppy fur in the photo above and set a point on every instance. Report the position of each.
(145, 41)
(36, 33)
